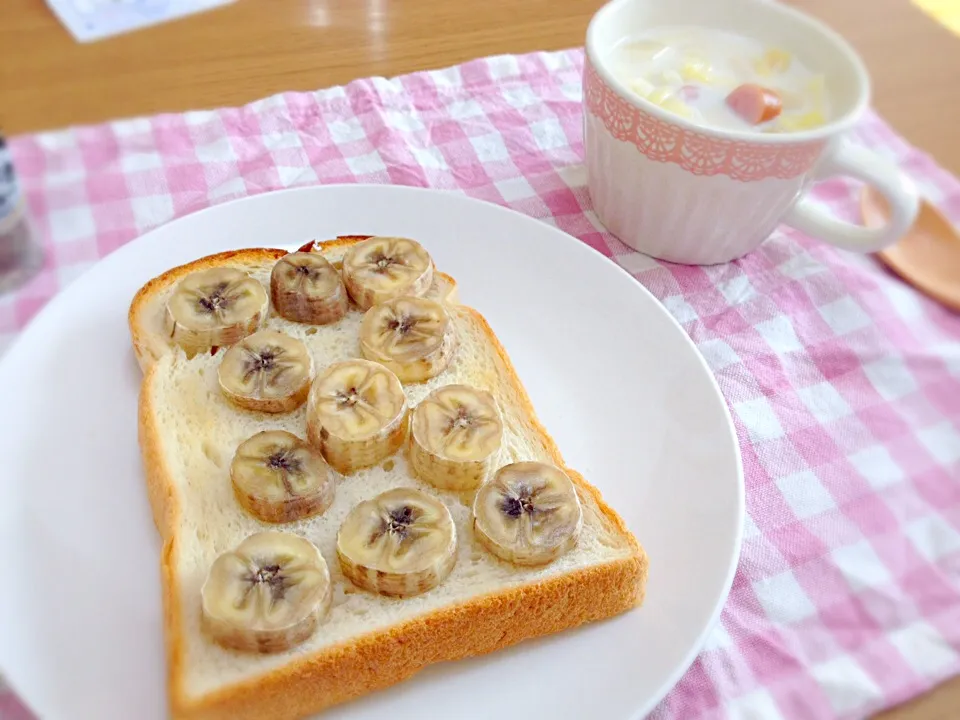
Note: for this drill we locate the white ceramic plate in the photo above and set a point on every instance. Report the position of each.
(622, 390)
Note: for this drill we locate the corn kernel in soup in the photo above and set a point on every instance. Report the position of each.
(722, 79)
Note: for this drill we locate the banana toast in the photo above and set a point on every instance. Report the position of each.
(403, 526)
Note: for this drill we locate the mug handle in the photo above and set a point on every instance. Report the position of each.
(899, 191)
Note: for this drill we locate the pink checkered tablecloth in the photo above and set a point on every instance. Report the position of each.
(844, 383)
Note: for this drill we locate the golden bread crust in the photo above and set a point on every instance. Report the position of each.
(379, 659)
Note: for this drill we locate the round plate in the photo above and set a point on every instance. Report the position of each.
(615, 380)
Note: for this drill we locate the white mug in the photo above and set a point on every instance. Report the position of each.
(691, 194)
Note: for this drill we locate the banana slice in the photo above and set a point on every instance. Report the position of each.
(528, 513)
(215, 307)
(412, 336)
(278, 478)
(402, 542)
(356, 414)
(386, 267)
(442, 289)
(267, 371)
(306, 288)
(455, 437)
(267, 595)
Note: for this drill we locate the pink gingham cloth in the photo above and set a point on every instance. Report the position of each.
(843, 382)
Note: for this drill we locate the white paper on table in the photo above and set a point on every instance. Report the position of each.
(89, 20)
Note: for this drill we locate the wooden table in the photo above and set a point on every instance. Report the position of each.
(256, 48)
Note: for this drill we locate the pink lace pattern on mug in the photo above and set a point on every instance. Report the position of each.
(695, 152)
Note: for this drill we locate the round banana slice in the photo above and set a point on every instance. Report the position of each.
(402, 542)
(278, 478)
(214, 308)
(356, 414)
(455, 436)
(386, 267)
(412, 336)
(306, 288)
(267, 595)
(528, 513)
(267, 371)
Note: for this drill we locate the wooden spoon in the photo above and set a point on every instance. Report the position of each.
(928, 256)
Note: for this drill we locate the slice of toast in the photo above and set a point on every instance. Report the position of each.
(188, 434)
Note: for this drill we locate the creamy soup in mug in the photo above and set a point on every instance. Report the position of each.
(721, 79)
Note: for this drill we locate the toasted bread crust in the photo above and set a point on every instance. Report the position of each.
(382, 658)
